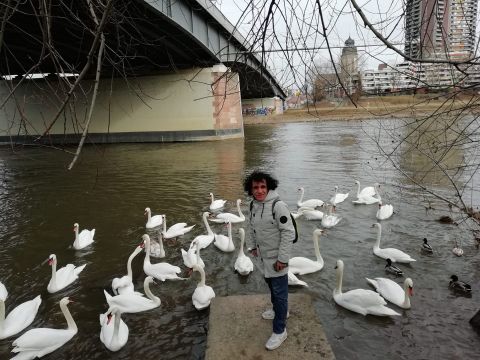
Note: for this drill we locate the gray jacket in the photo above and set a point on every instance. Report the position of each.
(273, 238)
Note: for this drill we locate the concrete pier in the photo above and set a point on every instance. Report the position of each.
(237, 330)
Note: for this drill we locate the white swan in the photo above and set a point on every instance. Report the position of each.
(393, 292)
(203, 294)
(161, 271)
(152, 221)
(393, 254)
(366, 196)
(294, 281)
(3, 292)
(83, 239)
(19, 318)
(330, 220)
(156, 247)
(312, 203)
(192, 256)
(175, 230)
(384, 211)
(131, 303)
(359, 300)
(310, 213)
(302, 265)
(124, 285)
(205, 240)
(337, 198)
(226, 217)
(225, 243)
(62, 277)
(41, 341)
(216, 204)
(113, 334)
(243, 264)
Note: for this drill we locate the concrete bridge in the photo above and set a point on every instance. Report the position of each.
(173, 70)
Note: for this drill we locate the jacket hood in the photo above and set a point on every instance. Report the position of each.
(272, 195)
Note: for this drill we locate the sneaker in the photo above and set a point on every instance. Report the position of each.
(276, 340)
(270, 314)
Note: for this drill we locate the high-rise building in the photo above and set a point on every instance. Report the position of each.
(440, 28)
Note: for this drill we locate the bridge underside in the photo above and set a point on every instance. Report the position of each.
(140, 41)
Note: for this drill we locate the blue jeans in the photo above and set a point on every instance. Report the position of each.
(279, 297)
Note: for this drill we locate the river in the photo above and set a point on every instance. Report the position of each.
(110, 187)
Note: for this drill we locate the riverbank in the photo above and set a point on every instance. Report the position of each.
(405, 106)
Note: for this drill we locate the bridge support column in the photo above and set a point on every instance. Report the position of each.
(190, 105)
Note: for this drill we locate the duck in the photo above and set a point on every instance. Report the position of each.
(192, 256)
(459, 285)
(392, 269)
(175, 230)
(330, 220)
(312, 203)
(361, 301)
(131, 303)
(302, 265)
(426, 247)
(113, 334)
(337, 198)
(395, 255)
(216, 204)
(243, 264)
(366, 196)
(62, 277)
(393, 292)
(3, 292)
(310, 213)
(225, 243)
(203, 294)
(229, 217)
(124, 285)
(18, 318)
(84, 239)
(384, 211)
(206, 239)
(41, 341)
(457, 250)
(294, 281)
(152, 221)
(161, 271)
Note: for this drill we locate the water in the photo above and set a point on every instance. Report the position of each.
(111, 186)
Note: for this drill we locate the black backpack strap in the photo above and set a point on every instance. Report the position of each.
(273, 207)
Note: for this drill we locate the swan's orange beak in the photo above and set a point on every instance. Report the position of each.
(410, 291)
(142, 245)
(109, 317)
(50, 261)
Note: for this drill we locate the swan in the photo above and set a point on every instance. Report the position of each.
(225, 243)
(457, 250)
(205, 240)
(294, 281)
(3, 292)
(62, 277)
(83, 239)
(113, 335)
(359, 300)
(366, 196)
(310, 213)
(161, 271)
(203, 294)
(426, 246)
(392, 269)
(393, 292)
(226, 217)
(329, 220)
(459, 285)
(243, 264)
(19, 318)
(152, 221)
(216, 204)
(192, 256)
(124, 285)
(313, 203)
(395, 255)
(41, 341)
(131, 303)
(337, 198)
(175, 230)
(384, 211)
(156, 248)
(302, 265)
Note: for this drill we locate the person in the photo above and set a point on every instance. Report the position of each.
(272, 234)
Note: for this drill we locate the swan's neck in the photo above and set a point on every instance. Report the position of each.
(129, 264)
(338, 288)
(202, 276)
(198, 254)
(147, 252)
(358, 189)
(230, 240)
(207, 226)
(239, 210)
(146, 288)
(149, 215)
(54, 272)
(302, 191)
(164, 224)
(379, 235)
(316, 245)
(2, 313)
(406, 301)
(377, 192)
(76, 234)
(242, 244)
(116, 326)
(213, 199)
(70, 322)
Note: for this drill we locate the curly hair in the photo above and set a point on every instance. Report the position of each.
(258, 175)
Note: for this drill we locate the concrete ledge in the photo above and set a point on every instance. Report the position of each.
(237, 331)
